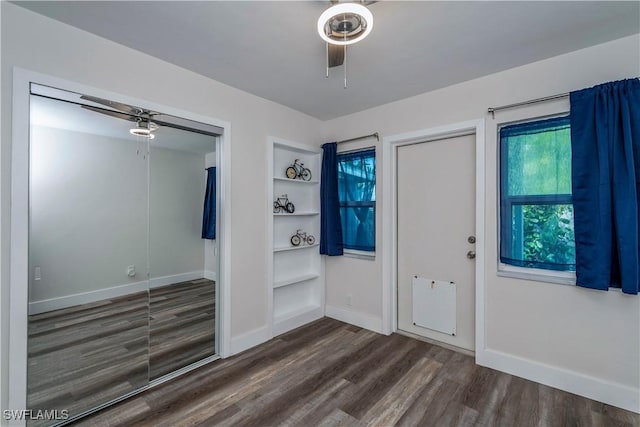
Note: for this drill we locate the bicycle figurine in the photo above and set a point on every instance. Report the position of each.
(302, 237)
(282, 204)
(297, 170)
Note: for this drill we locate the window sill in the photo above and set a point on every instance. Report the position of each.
(352, 253)
(537, 274)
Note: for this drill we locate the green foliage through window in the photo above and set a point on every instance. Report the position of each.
(535, 195)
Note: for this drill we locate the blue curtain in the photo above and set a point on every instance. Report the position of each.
(209, 212)
(605, 144)
(330, 226)
(357, 188)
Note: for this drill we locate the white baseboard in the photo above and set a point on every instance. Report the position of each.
(42, 306)
(210, 275)
(608, 392)
(249, 339)
(37, 307)
(158, 282)
(301, 318)
(362, 320)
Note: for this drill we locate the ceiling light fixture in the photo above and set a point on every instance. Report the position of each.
(341, 25)
(144, 129)
(345, 23)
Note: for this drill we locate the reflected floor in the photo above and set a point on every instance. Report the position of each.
(182, 325)
(83, 356)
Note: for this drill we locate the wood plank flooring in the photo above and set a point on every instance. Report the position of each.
(329, 373)
(182, 325)
(82, 356)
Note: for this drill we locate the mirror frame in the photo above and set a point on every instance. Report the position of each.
(19, 269)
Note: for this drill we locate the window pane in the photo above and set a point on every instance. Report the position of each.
(542, 236)
(357, 194)
(357, 176)
(536, 214)
(358, 227)
(539, 157)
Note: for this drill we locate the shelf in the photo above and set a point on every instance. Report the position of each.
(294, 280)
(297, 214)
(297, 181)
(294, 248)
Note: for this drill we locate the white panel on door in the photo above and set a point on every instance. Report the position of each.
(434, 304)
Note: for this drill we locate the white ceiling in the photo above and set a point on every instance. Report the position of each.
(272, 49)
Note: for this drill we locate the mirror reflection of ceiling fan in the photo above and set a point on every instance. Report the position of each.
(142, 118)
(343, 24)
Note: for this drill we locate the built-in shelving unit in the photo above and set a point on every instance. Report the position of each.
(296, 285)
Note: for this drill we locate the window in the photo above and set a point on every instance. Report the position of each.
(536, 213)
(357, 193)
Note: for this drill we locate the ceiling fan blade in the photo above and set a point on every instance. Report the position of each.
(335, 55)
(117, 115)
(125, 108)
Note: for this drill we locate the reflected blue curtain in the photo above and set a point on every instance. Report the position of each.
(357, 188)
(330, 226)
(209, 212)
(605, 142)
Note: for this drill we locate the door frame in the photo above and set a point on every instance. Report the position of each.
(19, 253)
(389, 210)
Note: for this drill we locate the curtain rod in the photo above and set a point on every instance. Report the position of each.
(492, 110)
(375, 134)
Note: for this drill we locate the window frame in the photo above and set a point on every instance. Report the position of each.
(359, 253)
(522, 272)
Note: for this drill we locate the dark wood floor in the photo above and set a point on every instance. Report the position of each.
(329, 373)
(82, 356)
(182, 325)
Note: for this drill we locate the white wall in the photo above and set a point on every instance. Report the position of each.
(36, 43)
(594, 334)
(177, 189)
(88, 218)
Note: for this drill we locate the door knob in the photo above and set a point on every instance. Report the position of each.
(471, 239)
(471, 254)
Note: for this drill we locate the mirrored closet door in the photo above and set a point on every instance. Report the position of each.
(122, 249)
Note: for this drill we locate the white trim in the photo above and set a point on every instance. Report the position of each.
(19, 267)
(250, 339)
(389, 238)
(362, 320)
(210, 275)
(269, 237)
(537, 274)
(608, 392)
(300, 317)
(43, 306)
(20, 225)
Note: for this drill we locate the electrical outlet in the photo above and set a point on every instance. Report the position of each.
(131, 270)
(36, 273)
(349, 300)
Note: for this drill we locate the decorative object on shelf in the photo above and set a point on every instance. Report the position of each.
(297, 170)
(302, 237)
(282, 204)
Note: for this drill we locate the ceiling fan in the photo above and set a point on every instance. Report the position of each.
(142, 118)
(342, 24)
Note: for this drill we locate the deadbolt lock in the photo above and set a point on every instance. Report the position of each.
(471, 239)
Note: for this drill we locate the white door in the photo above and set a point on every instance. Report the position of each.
(436, 225)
